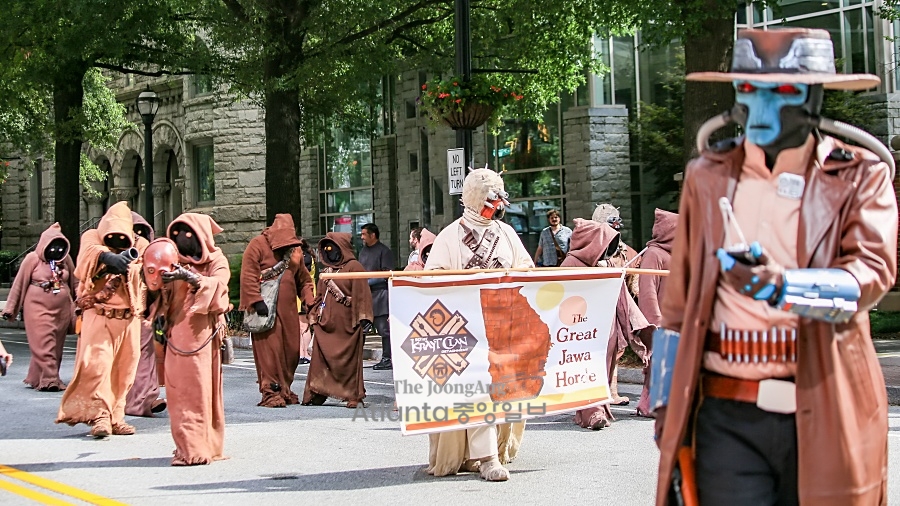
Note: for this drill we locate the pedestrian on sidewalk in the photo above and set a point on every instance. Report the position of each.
(110, 294)
(276, 253)
(342, 309)
(769, 387)
(303, 307)
(376, 256)
(415, 235)
(143, 397)
(554, 242)
(45, 288)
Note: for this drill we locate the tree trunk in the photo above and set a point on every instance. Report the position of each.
(709, 50)
(283, 154)
(68, 97)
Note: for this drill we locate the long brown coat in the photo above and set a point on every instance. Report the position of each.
(47, 315)
(335, 369)
(848, 220)
(277, 351)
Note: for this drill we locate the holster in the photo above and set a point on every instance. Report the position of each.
(683, 491)
(88, 301)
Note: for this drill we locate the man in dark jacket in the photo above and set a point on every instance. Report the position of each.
(375, 256)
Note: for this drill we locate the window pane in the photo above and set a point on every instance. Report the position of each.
(206, 175)
(202, 84)
(854, 54)
(525, 144)
(741, 17)
(623, 68)
(830, 22)
(529, 218)
(533, 184)
(659, 63)
(348, 161)
(338, 202)
(602, 83)
(871, 67)
(790, 8)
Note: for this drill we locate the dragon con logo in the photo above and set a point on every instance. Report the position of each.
(439, 343)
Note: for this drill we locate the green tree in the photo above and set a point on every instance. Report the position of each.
(308, 60)
(47, 48)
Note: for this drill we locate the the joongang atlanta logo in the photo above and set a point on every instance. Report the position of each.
(439, 343)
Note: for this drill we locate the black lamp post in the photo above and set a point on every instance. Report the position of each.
(147, 104)
(462, 41)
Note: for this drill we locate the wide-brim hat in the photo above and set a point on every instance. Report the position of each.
(787, 55)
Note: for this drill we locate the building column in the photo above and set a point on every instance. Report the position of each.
(94, 202)
(597, 162)
(160, 190)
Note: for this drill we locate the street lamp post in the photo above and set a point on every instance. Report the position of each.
(147, 105)
(463, 44)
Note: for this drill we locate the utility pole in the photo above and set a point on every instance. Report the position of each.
(463, 43)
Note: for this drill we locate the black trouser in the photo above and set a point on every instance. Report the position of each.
(745, 456)
(383, 326)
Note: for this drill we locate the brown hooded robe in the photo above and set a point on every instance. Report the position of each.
(48, 316)
(277, 351)
(145, 391)
(195, 329)
(108, 349)
(589, 244)
(336, 368)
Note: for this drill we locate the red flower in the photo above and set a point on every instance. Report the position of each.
(455, 83)
(443, 95)
(458, 100)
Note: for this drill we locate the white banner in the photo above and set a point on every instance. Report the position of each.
(496, 348)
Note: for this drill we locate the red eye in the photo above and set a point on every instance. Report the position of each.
(745, 88)
(787, 89)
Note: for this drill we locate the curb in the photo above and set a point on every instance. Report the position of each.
(893, 394)
(631, 375)
(12, 325)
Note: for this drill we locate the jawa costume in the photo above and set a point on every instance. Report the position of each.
(110, 295)
(592, 245)
(45, 288)
(623, 257)
(276, 352)
(775, 390)
(478, 241)
(339, 314)
(143, 398)
(192, 304)
(423, 249)
(656, 257)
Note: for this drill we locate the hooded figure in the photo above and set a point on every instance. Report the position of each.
(277, 351)
(190, 310)
(340, 310)
(656, 257)
(593, 244)
(110, 294)
(143, 397)
(45, 288)
(478, 240)
(423, 249)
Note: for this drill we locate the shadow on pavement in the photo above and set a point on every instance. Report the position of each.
(91, 464)
(342, 480)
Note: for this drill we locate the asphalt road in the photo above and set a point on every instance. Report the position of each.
(313, 454)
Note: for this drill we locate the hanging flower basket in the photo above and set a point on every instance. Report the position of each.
(472, 116)
(469, 104)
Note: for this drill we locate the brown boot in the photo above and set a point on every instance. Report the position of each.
(122, 429)
(100, 428)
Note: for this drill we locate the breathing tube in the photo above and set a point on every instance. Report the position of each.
(837, 128)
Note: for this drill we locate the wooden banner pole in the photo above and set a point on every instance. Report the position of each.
(457, 272)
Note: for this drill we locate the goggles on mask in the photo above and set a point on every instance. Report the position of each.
(615, 222)
(495, 201)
